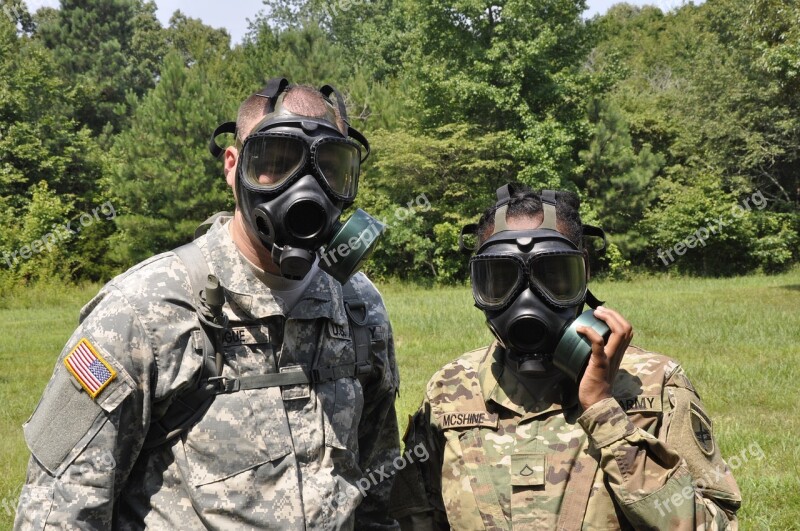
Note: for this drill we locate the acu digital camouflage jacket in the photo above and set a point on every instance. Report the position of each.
(273, 458)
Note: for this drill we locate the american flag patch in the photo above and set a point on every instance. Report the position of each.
(89, 368)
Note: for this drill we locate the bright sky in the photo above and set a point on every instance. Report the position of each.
(234, 15)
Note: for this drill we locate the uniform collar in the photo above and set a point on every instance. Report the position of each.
(502, 386)
(322, 297)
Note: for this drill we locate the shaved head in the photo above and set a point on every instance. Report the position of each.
(302, 100)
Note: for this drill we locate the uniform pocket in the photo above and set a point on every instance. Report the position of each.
(233, 436)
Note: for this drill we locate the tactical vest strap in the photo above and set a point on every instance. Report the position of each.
(359, 331)
(204, 226)
(261, 381)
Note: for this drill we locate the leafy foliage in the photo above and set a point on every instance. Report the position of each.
(662, 122)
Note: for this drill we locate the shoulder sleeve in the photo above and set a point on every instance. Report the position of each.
(690, 432)
(650, 476)
(89, 425)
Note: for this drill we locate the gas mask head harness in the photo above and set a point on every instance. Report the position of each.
(295, 176)
(532, 285)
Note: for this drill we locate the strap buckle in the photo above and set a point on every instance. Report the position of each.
(363, 367)
(225, 385)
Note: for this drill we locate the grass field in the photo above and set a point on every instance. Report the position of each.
(737, 338)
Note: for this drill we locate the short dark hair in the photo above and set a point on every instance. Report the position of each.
(527, 203)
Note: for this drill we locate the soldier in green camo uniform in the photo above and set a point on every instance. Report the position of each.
(515, 443)
(293, 425)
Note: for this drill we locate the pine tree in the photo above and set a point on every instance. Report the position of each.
(105, 48)
(166, 180)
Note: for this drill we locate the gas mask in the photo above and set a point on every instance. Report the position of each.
(295, 176)
(532, 286)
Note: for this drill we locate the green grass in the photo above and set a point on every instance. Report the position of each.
(737, 338)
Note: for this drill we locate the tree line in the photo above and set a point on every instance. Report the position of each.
(665, 124)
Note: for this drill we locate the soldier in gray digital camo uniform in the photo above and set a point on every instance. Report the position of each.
(265, 454)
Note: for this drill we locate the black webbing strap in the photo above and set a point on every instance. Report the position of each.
(359, 331)
(596, 232)
(326, 91)
(272, 90)
(213, 147)
(593, 301)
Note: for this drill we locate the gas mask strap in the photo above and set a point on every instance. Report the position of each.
(274, 87)
(593, 301)
(213, 147)
(549, 210)
(596, 232)
(503, 197)
(326, 91)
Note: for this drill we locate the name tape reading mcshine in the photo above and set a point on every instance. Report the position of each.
(466, 419)
(89, 368)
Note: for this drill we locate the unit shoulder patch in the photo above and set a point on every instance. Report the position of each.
(703, 430)
(89, 368)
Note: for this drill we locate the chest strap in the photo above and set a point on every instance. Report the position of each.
(327, 374)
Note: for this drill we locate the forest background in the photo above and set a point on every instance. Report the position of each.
(680, 130)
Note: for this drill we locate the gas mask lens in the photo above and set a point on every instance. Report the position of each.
(562, 277)
(339, 164)
(272, 160)
(495, 280)
(498, 279)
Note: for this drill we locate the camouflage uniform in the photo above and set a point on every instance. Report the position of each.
(516, 453)
(279, 457)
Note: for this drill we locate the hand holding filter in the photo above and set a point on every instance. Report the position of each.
(573, 350)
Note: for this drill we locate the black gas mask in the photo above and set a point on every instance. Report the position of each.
(532, 286)
(295, 176)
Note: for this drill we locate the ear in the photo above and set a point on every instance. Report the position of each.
(231, 158)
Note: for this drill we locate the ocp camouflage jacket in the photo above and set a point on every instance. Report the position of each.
(500, 459)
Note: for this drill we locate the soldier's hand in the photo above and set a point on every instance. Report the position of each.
(604, 362)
